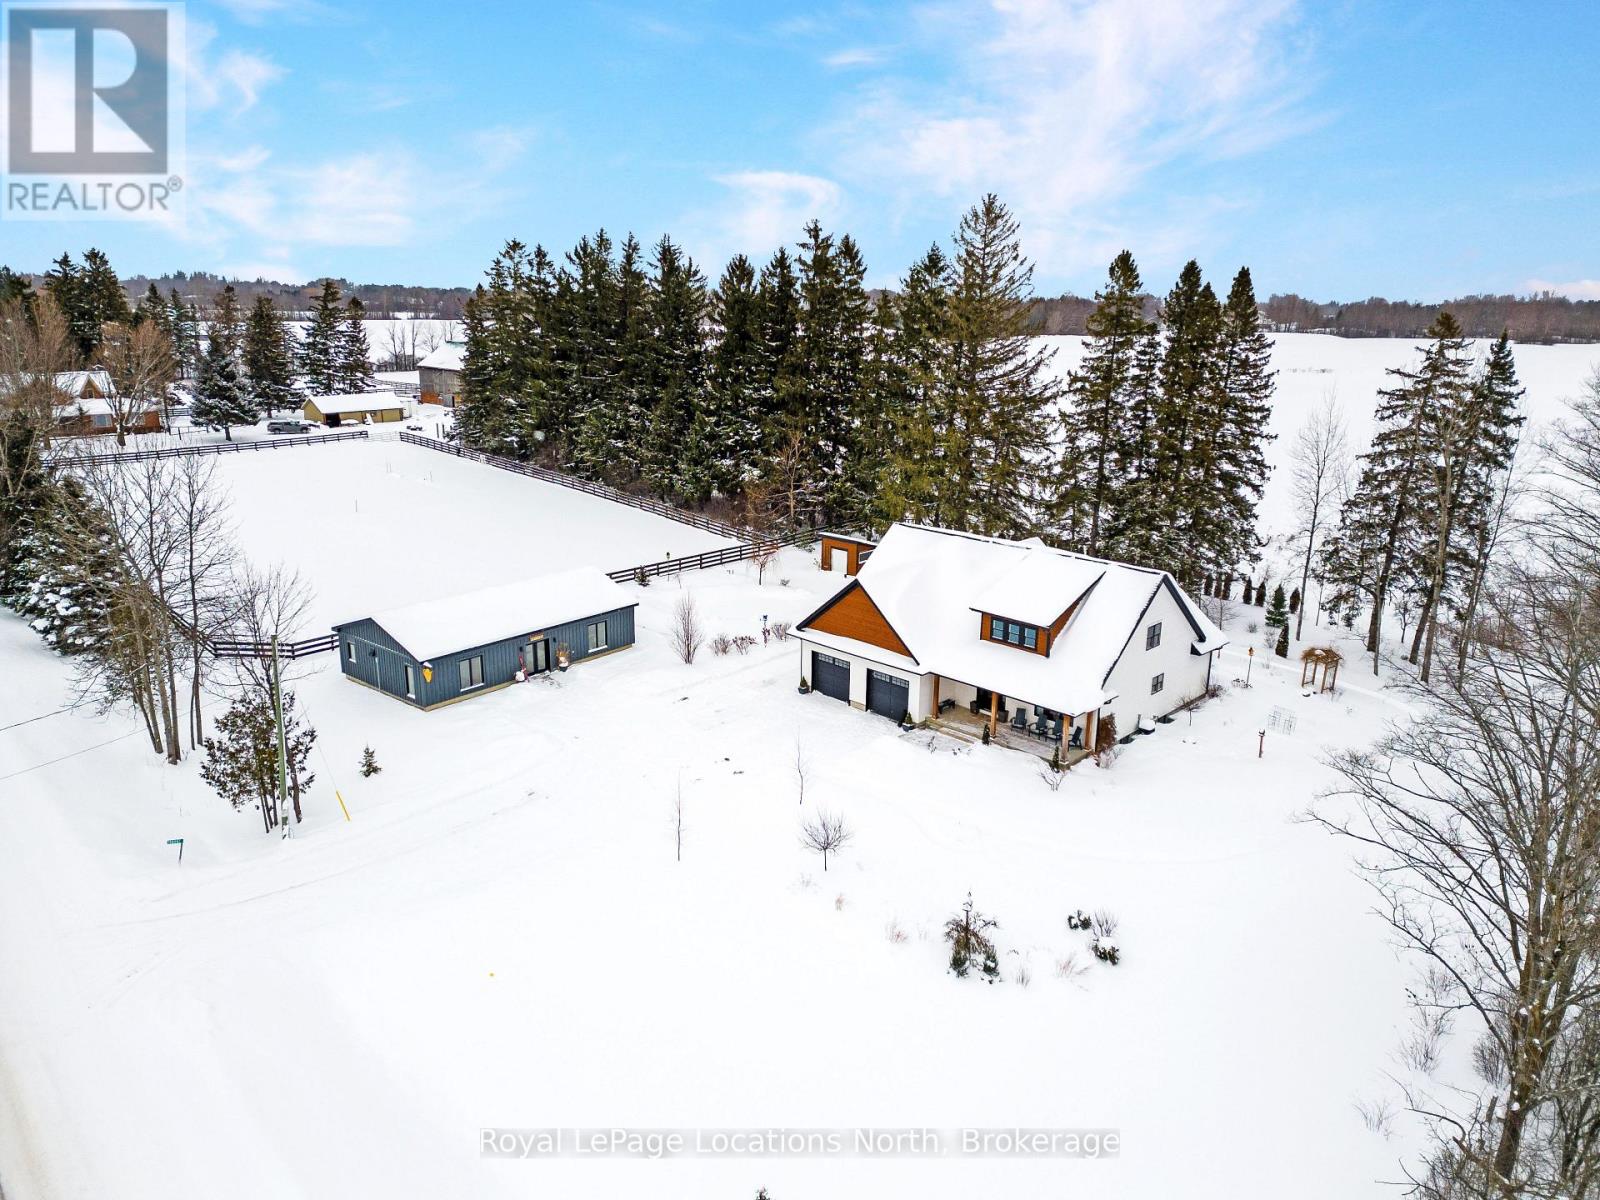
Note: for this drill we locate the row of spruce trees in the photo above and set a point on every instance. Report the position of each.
(789, 392)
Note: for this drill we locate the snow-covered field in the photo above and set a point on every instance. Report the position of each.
(374, 524)
(502, 936)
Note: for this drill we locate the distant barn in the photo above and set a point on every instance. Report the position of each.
(441, 651)
(440, 374)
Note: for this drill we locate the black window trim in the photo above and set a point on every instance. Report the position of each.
(1024, 635)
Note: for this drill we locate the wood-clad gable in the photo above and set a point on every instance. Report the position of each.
(852, 614)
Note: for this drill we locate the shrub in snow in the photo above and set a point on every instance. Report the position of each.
(721, 644)
(743, 642)
(780, 630)
(640, 577)
(895, 933)
(369, 763)
(1253, 627)
(687, 634)
(1078, 920)
(1105, 950)
(968, 935)
(1024, 977)
(1070, 968)
(1282, 648)
(826, 834)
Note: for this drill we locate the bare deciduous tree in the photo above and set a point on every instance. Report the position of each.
(1321, 477)
(826, 834)
(802, 770)
(677, 820)
(1480, 827)
(139, 360)
(687, 633)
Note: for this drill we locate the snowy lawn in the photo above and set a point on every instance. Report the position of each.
(376, 524)
(502, 936)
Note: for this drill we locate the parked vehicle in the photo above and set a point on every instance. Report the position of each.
(290, 425)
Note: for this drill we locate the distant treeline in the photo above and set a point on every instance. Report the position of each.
(1544, 317)
(377, 299)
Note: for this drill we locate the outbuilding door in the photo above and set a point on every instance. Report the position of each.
(830, 676)
(888, 695)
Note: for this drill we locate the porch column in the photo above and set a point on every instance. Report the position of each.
(1091, 726)
(994, 714)
(935, 713)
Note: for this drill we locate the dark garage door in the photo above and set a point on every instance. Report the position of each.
(888, 695)
(830, 676)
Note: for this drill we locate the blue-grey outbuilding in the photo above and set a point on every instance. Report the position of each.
(441, 651)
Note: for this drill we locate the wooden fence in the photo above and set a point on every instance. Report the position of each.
(268, 443)
(658, 507)
(227, 648)
(710, 558)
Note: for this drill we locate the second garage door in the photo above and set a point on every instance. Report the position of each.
(830, 676)
(888, 695)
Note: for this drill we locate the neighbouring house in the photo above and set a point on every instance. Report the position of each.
(440, 374)
(356, 408)
(1037, 644)
(844, 552)
(441, 651)
(86, 408)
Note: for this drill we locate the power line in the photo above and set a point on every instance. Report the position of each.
(52, 762)
(42, 716)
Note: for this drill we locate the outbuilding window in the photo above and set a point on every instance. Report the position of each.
(472, 672)
(1156, 684)
(597, 636)
(350, 651)
(1152, 636)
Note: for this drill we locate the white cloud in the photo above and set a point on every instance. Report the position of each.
(1577, 289)
(762, 211)
(854, 56)
(1065, 108)
(235, 78)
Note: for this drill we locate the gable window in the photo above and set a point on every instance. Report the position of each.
(472, 672)
(1152, 636)
(597, 636)
(1013, 633)
(1156, 684)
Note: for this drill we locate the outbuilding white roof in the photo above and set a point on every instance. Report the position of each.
(357, 402)
(435, 628)
(930, 584)
(445, 357)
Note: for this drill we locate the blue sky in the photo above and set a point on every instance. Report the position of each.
(1341, 150)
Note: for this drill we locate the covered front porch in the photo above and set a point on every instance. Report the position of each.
(965, 711)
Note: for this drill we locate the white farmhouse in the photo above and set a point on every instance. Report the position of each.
(1040, 645)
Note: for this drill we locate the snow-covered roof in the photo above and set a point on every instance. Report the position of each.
(435, 628)
(445, 357)
(357, 402)
(70, 383)
(88, 406)
(928, 583)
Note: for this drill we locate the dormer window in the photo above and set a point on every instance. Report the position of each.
(1013, 633)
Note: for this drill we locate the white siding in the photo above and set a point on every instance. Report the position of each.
(1185, 672)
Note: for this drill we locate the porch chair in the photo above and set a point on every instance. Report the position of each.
(1055, 730)
(1020, 721)
(1041, 725)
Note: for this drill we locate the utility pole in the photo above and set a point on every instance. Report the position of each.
(283, 747)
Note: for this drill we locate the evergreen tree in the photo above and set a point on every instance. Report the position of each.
(369, 763)
(510, 327)
(1294, 601)
(65, 597)
(221, 398)
(780, 339)
(185, 334)
(914, 370)
(103, 298)
(323, 347)
(355, 356)
(612, 425)
(1382, 540)
(586, 381)
(1278, 614)
(1002, 399)
(1281, 647)
(739, 386)
(1231, 479)
(268, 358)
(1104, 403)
(675, 465)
